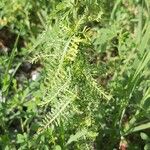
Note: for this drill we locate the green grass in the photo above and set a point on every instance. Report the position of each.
(93, 88)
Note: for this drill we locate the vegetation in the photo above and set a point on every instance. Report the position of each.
(74, 74)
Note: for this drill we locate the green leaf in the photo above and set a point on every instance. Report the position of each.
(141, 127)
(147, 146)
(20, 138)
(75, 137)
(144, 136)
(57, 147)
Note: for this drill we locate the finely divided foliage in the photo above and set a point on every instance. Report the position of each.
(93, 89)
